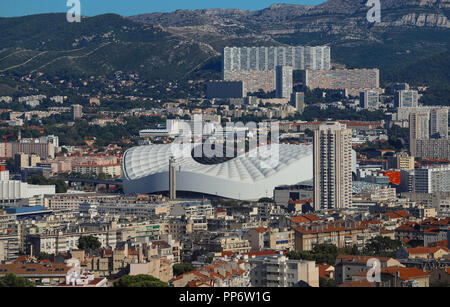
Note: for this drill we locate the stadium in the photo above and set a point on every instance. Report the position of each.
(244, 177)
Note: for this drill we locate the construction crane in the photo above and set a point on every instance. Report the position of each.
(6, 143)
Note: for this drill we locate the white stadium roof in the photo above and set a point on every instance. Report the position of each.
(247, 177)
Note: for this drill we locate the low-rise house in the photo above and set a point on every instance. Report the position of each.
(160, 268)
(423, 253)
(45, 274)
(363, 283)
(266, 238)
(393, 276)
(348, 265)
(404, 277)
(76, 277)
(222, 273)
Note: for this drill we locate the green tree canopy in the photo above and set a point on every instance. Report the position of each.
(60, 185)
(146, 281)
(181, 268)
(440, 284)
(14, 281)
(88, 243)
(321, 253)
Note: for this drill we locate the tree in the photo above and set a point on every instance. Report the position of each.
(321, 253)
(327, 283)
(88, 243)
(181, 268)
(325, 253)
(60, 185)
(349, 250)
(13, 281)
(382, 247)
(301, 255)
(141, 280)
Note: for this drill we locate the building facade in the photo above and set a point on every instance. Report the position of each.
(418, 129)
(432, 180)
(332, 166)
(342, 79)
(406, 98)
(279, 271)
(284, 81)
(267, 58)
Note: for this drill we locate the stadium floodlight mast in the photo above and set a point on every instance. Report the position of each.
(74, 12)
(374, 14)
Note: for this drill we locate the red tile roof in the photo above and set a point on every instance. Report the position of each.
(325, 270)
(443, 243)
(397, 215)
(359, 259)
(425, 250)
(357, 284)
(306, 218)
(34, 269)
(228, 254)
(405, 273)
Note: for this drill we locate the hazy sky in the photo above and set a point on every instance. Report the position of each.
(10, 8)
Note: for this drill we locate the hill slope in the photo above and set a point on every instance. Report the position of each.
(98, 45)
(184, 44)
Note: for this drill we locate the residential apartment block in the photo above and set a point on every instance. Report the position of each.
(341, 235)
(267, 58)
(279, 271)
(342, 79)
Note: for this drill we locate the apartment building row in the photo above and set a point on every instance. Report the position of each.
(267, 58)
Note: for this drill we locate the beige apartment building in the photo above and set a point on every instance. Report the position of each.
(157, 267)
(401, 161)
(265, 238)
(233, 244)
(332, 166)
(343, 79)
(338, 234)
(280, 240)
